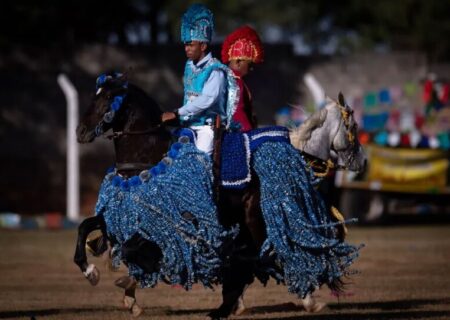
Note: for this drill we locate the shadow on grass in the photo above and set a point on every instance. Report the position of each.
(51, 312)
(390, 305)
(397, 310)
(37, 314)
(402, 315)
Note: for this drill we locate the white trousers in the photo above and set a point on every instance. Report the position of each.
(205, 138)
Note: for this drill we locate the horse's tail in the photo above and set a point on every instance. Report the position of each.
(337, 286)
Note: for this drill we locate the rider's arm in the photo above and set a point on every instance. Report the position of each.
(213, 88)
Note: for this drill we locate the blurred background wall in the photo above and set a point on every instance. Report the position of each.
(350, 46)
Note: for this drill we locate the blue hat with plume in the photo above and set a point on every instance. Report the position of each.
(197, 24)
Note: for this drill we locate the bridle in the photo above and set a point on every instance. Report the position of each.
(322, 167)
(119, 134)
(345, 114)
(109, 116)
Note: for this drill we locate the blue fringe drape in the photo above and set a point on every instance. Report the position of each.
(175, 209)
(299, 227)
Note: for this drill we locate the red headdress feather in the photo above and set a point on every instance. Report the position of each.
(243, 44)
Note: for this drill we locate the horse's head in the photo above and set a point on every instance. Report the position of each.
(112, 89)
(346, 150)
(331, 134)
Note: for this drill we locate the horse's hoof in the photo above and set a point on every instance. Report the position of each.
(92, 274)
(217, 315)
(126, 282)
(130, 304)
(239, 308)
(311, 305)
(318, 306)
(136, 310)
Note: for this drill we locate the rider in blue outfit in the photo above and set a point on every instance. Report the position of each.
(205, 83)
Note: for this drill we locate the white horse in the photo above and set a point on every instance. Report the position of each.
(328, 140)
(330, 135)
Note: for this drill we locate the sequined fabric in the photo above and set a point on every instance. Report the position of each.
(299, 228)
(175, 209)
(194, 81)
(236, 152)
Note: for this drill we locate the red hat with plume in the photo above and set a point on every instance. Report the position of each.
(243, 44)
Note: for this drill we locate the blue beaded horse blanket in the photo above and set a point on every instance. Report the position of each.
(236, 153)
(300, 230)
(154, 204)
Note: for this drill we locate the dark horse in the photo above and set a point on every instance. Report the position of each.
(140, 141)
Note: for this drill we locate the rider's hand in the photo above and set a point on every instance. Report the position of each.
(167, 116)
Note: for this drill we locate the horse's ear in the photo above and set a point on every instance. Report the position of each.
(341, 99)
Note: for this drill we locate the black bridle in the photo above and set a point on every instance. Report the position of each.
(149, 131)
(109, 117)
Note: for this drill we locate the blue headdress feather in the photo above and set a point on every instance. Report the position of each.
(197, 24)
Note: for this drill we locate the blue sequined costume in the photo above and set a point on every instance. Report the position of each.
(155, 209)
(194, 81)
(300, 232)
(299, 228)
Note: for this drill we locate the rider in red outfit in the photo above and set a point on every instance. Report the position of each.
(241, 49)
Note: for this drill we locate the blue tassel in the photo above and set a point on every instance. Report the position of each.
(124, 185)
(116, 181)
(154, 209)
(155, 171)
(135, 181)
(115, 106)
(101, 80)
(188, 133)
(172, 153)
(118, 99)
(298, 225)
(161, 167)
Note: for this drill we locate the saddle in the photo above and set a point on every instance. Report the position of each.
(233, 153)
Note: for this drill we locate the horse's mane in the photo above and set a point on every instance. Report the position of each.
(150, 106)
(303, 133)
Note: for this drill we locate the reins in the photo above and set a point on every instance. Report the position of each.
(118, 134)
(320, 167)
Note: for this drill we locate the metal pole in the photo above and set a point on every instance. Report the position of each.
(73, 169)
(316, 90)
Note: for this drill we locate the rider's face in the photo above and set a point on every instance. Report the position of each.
(195, 50)
(242, 66)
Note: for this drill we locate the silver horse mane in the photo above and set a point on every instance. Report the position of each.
(301, 135)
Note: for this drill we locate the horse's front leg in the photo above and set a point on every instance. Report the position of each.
(88, 225)
(128, 283)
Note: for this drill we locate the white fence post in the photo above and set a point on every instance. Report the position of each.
(73, 169)
(316, 89)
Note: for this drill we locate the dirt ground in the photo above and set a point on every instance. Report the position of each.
(404, 274)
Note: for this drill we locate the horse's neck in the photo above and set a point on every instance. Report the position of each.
(321, 138)
(146, 148)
